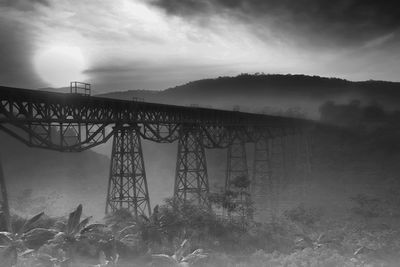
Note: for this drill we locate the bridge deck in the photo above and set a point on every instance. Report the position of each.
(52, 107)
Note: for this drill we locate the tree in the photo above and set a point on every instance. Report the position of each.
(244, 205)
(77, 237)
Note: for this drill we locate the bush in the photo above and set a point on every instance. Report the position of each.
(308, 257)
(366, 206)
(300, 214)
(119, 219)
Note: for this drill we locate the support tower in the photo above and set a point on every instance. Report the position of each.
(127, 186)
(262, 181)
(191, 178)
(237, 182)
(4, 200)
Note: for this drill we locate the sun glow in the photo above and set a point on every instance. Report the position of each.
(58, 65)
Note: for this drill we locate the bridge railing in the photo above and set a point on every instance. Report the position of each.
(80, 88)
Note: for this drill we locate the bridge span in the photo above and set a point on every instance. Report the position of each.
(74, 122)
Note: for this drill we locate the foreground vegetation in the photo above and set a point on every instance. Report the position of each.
(187, 235)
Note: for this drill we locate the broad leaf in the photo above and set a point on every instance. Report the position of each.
(163, 259)
(181, 251)
(26, 252)
(195, 256)
(59, 238)
(37, 237)
(82, 225)
(73, 220)
(126, 230)
(29, 223)
(93, 227)
(6, 237)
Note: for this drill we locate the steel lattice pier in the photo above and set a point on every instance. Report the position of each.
(73, 123)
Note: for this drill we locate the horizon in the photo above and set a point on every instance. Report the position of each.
(221, 77)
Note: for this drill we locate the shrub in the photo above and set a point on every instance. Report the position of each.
(309, 257)
(302, 215)
(366, 206)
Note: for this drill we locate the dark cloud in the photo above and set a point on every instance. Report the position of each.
(16, 52)
(17, 42)
(341, 21)
(24, 5)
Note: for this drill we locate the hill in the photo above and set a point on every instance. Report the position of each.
(272, 93)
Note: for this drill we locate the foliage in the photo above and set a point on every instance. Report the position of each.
(303, 215)
(320, 257)
(237, 201)
(176, 221)
(366, 206)
(151, 228)
(134, 236)
(300, 238)
(241, 182)
(119, 219)
(77, 239)
(179, 258)
(18, 242)
(180, 220)
(307, 257)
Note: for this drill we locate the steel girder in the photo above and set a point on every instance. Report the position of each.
(38, 106)
(72, 122)
(68, 137)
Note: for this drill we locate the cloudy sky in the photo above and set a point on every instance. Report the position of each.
(155, 44)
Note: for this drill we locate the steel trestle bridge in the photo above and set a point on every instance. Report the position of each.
(75, 122)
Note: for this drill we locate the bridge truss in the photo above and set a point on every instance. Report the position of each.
(73, 123)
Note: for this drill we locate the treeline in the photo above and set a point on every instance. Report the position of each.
(371, 125)
(356, 115)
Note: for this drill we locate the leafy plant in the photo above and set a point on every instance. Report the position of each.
(178, 258)
(77, 237)
(18, 243)
(119, 219)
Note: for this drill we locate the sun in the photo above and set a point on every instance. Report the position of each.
(59, 64)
